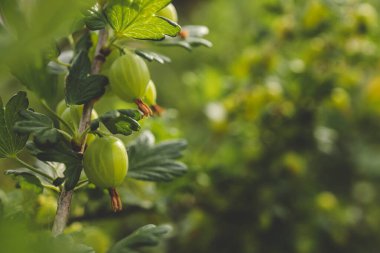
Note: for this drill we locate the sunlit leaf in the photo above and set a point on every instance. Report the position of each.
(137, 19)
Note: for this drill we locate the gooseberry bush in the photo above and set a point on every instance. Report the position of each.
(105, 52)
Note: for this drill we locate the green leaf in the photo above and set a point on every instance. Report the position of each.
(137, 19)
(120, 121)
(95, 20)
(12, 15)
(66, 244)
(148, 235)
(152, 56)
(34, 74)
(81, 87)
(61, 152)
(39, 125)
(28, 180)
(151, 162)
(11, 142)
(54, 170)
(188, 43)
(35, 25)
(84, 43)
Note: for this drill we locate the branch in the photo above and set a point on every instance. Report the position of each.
(63, 211)
(64, 201)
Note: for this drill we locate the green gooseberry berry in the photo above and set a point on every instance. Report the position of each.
(129, 77)
(151, 94)
(61, 106)
(105, 162)
(72, 115)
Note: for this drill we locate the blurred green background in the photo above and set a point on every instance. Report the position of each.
(282, 116)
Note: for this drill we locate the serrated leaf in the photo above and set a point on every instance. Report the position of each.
(61, 152)
(81, 87)
(152, 56)
(11, 142)
(95, 20)
(148, 235)
(39, 125)
(137, 19)
(119, 121)
(157, 163)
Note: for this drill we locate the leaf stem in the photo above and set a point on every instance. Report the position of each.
(56, 116)
(101, 133)
(81, 184)
(62, 63)
(35, 170)
(65, 134)
(84, 134)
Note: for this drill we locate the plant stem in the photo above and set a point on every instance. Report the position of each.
(35, 170)
(81, 184)
(47, 107)
(68, 136)
(63, 210)
(64, 201)
(62, 63)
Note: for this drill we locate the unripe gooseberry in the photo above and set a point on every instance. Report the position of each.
(61, 106)
(129, 77)
(105, 162)
(169, 12)
(151, 94)
(72, 115)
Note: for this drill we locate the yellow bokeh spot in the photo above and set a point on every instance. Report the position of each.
(341, 99)
(372, 95)
(326, 201)
(294, 163)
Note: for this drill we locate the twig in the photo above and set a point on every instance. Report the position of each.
(63, 210)
(64, 201)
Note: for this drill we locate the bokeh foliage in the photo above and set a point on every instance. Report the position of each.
(282, 119)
